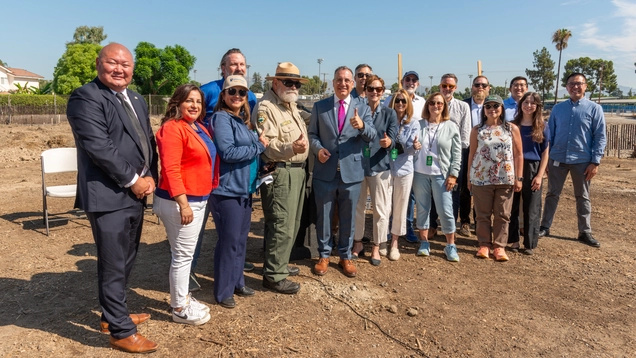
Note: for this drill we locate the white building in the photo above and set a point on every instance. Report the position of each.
(10, 76)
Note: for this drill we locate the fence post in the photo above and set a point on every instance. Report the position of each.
(9, 107)
(618, 140)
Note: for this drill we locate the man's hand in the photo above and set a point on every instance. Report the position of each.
(300, 145)
(356, 121)
(152, 184)
(416, 144)
(385, 142)
(590, 171)
(140, 188)
(323, 155)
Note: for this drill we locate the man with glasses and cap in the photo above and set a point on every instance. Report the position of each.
(362, 72)
(277, 118)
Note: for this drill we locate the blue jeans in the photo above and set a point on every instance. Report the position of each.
(423, 187)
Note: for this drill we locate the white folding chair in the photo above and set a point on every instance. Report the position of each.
(59, 160)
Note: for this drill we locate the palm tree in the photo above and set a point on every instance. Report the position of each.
(560, 40)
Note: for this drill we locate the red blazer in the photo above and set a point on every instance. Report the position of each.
(186, 166)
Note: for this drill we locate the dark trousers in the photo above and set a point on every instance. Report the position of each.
(116, 235)
(531, 208)
(232, 217)
(465, 199)
(330, 194)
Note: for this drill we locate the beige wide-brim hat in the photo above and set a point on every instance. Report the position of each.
(287, 71)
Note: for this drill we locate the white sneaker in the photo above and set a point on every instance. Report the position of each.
(190, 315)
(394, 254)
(196, 304)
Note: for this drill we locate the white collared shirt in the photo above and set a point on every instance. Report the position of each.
(336, 105)
(127, 99)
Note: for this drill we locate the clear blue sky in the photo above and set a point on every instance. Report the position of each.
(433, 37)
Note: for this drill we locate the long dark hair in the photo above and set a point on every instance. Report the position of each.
(179, 96)
(502, 117)
(538, 124)
(244, 113)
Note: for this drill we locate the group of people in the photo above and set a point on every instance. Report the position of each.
(217, 145)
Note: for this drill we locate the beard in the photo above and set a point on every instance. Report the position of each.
(410, 91)
(288, 96)
(480, 96)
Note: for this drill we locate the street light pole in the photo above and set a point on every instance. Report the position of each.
(195, 75)
(218, 73)
(431, 77)
(248, 74)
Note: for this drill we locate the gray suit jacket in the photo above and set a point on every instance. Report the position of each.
(108, 148)
(346, 147)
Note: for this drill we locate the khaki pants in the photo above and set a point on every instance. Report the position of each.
(492, 206)
(379, 186)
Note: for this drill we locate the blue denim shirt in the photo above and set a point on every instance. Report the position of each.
(577, 132)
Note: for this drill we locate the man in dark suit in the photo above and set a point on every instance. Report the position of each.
(117, 169)
(479, 91)
(340, 128)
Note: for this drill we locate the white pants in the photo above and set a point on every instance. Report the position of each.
(401, 194)
(183, 241)
(380, 188)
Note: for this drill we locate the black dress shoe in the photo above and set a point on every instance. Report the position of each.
(293, 270)
(244, 291)
(283, 286)
(544, 231)
(587, 239)
(228, 303)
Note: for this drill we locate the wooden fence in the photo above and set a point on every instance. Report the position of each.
(621, 139)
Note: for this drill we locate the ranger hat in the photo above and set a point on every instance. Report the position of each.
(287, 71)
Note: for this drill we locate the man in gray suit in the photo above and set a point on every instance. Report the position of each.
(117, 169)
(339, 130)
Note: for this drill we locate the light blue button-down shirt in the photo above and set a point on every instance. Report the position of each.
(577, 132)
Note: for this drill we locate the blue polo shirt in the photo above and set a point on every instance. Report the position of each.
(510, 106)
(577, 132)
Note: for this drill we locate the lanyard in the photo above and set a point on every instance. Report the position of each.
(428, 135)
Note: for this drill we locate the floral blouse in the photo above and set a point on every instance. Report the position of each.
(493, 163)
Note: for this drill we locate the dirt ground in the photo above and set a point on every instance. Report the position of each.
(568, 300)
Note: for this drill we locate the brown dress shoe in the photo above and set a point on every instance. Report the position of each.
(348, 268)
(137, 318)
(321, 267)
(134, 344)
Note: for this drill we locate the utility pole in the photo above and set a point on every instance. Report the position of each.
(248, 75)
(470, 79)
(324, 76)
(195, 75)
(431, 77)
(319, 63)
(218, 71)
(600, 82)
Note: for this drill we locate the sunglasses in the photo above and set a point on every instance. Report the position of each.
(411, 79)
(400, 100)
(363, 75)
(495, 106)
(447, 86)
(376, 89)
(289, 83)
(233, 91)
(436, 103)
(482, 85)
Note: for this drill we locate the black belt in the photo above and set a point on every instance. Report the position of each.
(290, 165)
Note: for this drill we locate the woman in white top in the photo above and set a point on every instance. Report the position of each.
(436, 169)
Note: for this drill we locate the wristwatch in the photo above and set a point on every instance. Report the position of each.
(519, 178)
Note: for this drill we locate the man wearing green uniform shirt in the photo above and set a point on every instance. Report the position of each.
(278, 118)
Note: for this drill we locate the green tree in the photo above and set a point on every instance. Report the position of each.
(88, 35)
(394, 87)
(560, 40)
(267, 84)
(499, 90)
(75, 68)
(592, 71)
(542, 77)
(630, 94)
(312, 87)
(3, 64)
(160, 71)
(257, 83)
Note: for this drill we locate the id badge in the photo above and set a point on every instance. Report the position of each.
(556, 164)
(367, 151)
(429, 160)
(394, 154)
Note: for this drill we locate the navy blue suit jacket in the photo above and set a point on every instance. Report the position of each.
(108, 148)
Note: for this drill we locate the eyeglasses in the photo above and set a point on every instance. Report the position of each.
(400, 100)
(435, 103)
(495, 106)
(289, 83)
(576, 84)
(376, 89)
(447, 86)
(410, 79)
(363, 75)
(233, 91)
(482, 85)
(343, 80)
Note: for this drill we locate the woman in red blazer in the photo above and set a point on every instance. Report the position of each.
(188, 175)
